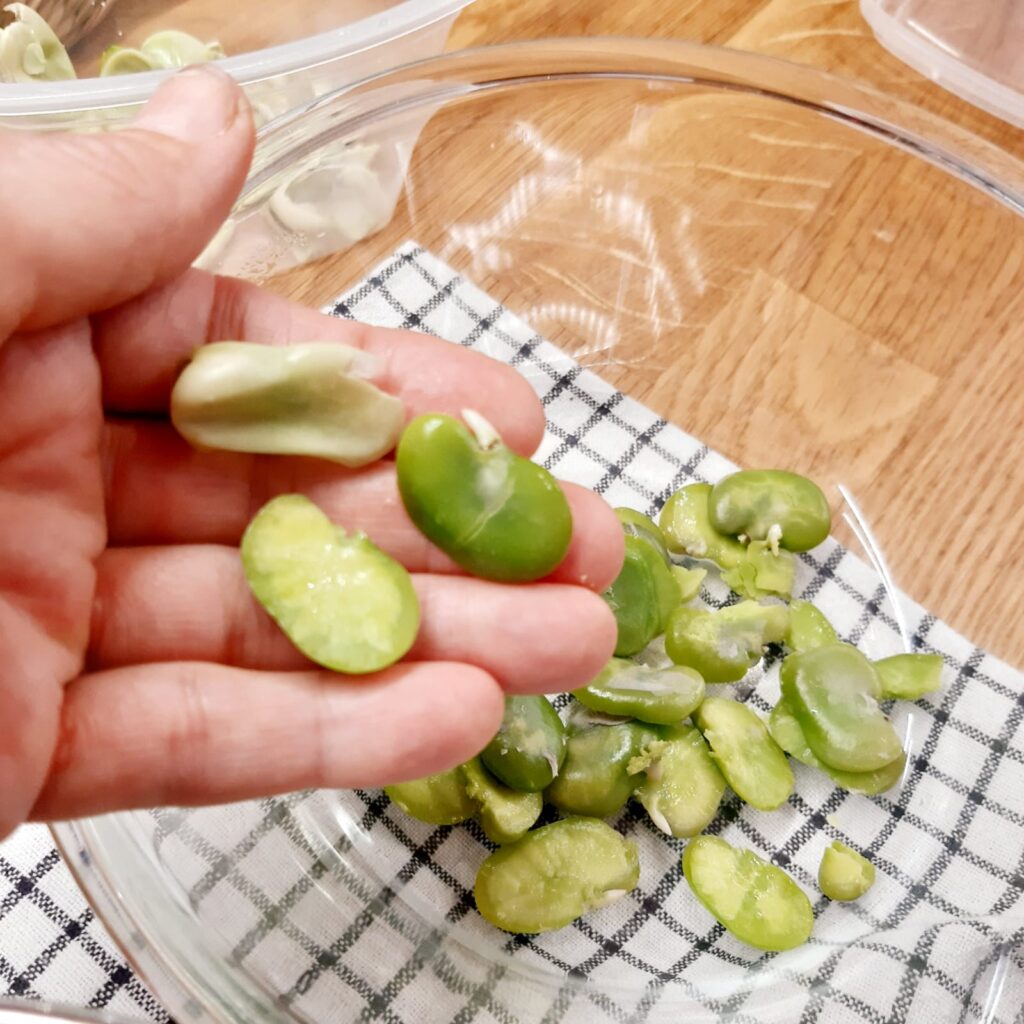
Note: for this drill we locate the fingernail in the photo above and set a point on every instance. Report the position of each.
(197, 104)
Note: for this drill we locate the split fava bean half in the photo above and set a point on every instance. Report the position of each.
(342, 601)
(773, 505)
(439, 799)
(636, 524)
(687, 529)
(311, 399)
(555, 874)
(786, 731)
(844, 874)
(683, 787)
(751, 761)
(723, 645)
(657, 695)
(603, 767)
(762, 572)
(496, 514)
(756, 901)
(909, 676)
(528, 749)
(642, 596)
(504, 814)
(833, 691)
(808, 627)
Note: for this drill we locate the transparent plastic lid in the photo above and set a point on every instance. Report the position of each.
(974, 48)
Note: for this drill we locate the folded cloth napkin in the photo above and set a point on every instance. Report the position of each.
(937, 939)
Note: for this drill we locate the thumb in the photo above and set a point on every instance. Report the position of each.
(91, 220)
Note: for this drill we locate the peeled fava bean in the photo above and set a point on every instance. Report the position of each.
(529, 747)
(641, 597)
(496, 514)
(439, 799)
(723, 645)
(504, 814)
(756, 901)
(909, 676)
(808, 627)
(687, 528)
(683, 787)
(636, 524)
(342, 601)
(762, 572)
(751, 761)
(658, 695)
(844, 874)
(833, 691)
(554, 875)
(785, 509)
(786, 731)
(313, 399)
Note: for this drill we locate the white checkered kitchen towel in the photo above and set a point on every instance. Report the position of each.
(939, 939)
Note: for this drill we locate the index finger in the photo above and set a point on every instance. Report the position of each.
(143, 345)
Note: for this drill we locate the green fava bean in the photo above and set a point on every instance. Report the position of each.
(762, 572)
(496, 514)
(529, 748)
(439, 799)
(683, 787)
(844, 874)
(636, 524)
(751, 761)
(504, 814)
(773, 505)
(909, 676)
(833, 692)
(786, 731)
(603, 767)
(662, 696)
(808, 627)
(642, 596)
(342, 601)
(687, 528)
(554, 875)
(689, 581)
(756, 901)
(723, 645)
(310, 400)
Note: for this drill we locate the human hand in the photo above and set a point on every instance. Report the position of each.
(137, 669)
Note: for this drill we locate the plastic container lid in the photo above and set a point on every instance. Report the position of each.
(974, 49)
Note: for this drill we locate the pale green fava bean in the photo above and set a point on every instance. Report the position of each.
(762, 572)
(723, 645)
(751, 761)
(772, 505)
(342, 601)
(687, 529)
(309, 399)
(689, 581)
(529, 748)
(909, 676)
(833, 692)
(504, 814)
(683, 787)
(844, 874)
(808, 627)
(756, 901)
(657, 695)
(786, 731)
(602, 769)
(555, 874)
(439, 799)
(636, 524)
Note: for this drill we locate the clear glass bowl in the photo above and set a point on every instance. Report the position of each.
(630, 200)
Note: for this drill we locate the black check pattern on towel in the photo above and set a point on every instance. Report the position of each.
(938, 939)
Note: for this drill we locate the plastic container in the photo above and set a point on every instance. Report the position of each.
(974, 49)
(619, 195)
(285, 54)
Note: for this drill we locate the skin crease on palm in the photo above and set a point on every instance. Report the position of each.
(137, 668)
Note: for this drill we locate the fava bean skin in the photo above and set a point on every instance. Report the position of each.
(723, 645)
(909, 676)
(683, 787)
(756, 901)
(529, 747)
(555, 874)
(657, 695)
(504, 814)
(341, 601)
(687, 529)
(438, 799)
(772, 505)
(751, 761)
(844, 874)
(496, 514)
(833, 692)
(808, 627)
